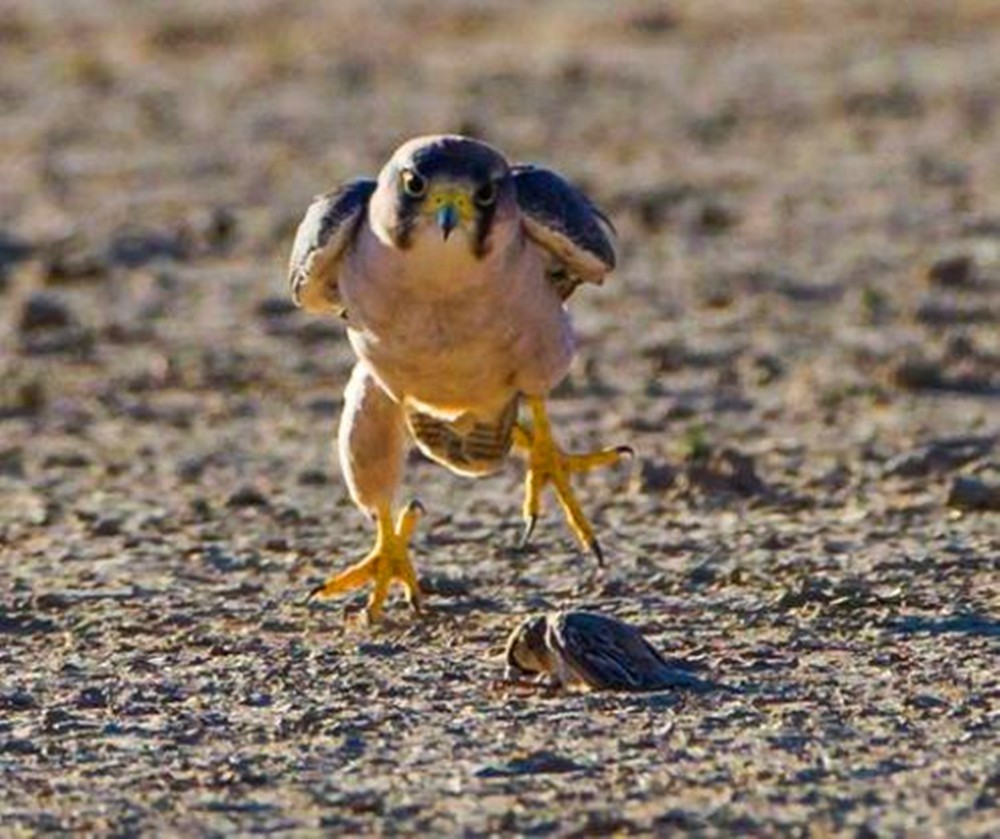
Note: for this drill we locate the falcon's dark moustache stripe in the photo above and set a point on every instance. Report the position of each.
(484, 224)
(407, 213)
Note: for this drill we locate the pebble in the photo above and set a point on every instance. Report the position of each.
(542, 762)
(247, 496)
(939, 456)
(313, 477)
(44, 311)
(276, 307)
(67, 267)
(952, 271)
(973, 494)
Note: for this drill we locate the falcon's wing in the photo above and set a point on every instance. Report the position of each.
(328, 228)
(611, 655)
(559, 218)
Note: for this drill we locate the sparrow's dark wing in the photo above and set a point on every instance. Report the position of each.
(610, 655)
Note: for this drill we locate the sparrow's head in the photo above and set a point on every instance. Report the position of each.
(527, 650)
(449, 189)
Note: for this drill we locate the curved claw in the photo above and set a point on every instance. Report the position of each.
(386, 563)
(625, 451)
(595, 548)
(529, 529)
(416, 507)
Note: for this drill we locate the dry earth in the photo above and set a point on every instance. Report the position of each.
(801, 342)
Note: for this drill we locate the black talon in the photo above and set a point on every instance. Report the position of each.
(625, 451)
(314, 592)
(595, 548)
(529, 528)
(416, 507)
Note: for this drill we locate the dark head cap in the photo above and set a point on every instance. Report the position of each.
(453, 157)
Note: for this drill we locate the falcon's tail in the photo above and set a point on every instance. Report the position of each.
(466, 446)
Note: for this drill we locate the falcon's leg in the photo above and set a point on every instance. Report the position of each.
(389, 560)
(371, 444)
(547, 463)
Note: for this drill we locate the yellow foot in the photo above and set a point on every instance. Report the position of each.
(389, 560)
(548, 464)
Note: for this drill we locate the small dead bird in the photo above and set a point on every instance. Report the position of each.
(601, 653)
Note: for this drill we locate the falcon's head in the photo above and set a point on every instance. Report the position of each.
(447, 191)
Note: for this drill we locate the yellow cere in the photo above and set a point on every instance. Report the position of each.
(459, 198)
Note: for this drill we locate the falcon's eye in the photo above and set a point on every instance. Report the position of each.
(414, 185)
(486, 194)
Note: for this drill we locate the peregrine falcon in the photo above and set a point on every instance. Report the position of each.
(452, 271)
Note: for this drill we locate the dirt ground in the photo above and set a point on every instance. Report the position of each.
(801, 342)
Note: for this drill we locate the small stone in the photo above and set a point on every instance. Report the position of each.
(190, 469)
(133, 248)
(201, 509)
(916, 374)
(313, 477)
(44, 311)
(21, 394)
(927, 701)
(766, 369)
(655, 476)
(13, 249)
(12, 463)
(106, 527)
(537, 763)
(324, 406)
(214, 228)
(17, 700)
(713, 218)
(91, 698)
(940, 455)
(952, 271)
(65, 268)
(66, 460)
(653, 21)
(973, 494)
(247, 496)
(276, 307)
(19, 746)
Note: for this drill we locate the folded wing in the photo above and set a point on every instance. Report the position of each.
(610, 655)
(328, 228)
(560, 219)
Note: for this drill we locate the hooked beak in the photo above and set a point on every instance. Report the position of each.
(447, 219)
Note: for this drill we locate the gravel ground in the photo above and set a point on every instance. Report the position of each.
(801, 342)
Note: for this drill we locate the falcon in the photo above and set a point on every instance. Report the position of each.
(451, 270)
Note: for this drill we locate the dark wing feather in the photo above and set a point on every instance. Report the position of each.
(325, 232)
(559, 218)
(611, 655)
